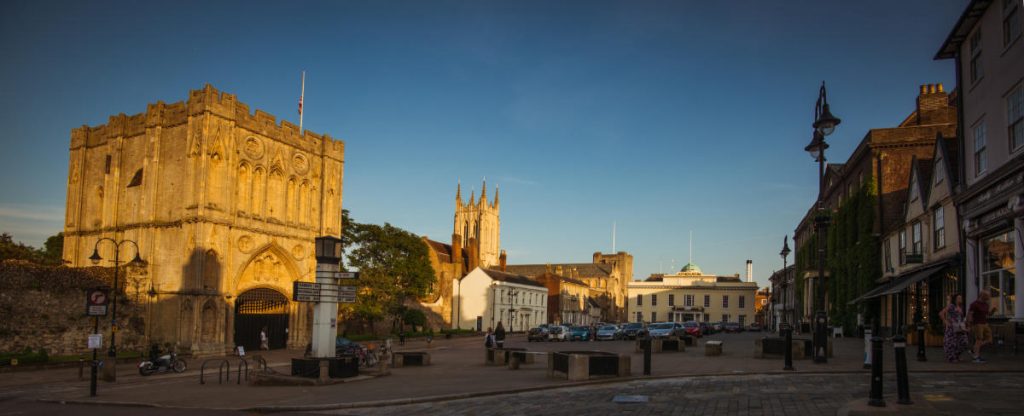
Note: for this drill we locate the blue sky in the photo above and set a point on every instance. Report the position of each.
(662, 117)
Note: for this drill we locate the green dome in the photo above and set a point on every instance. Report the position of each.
(691, 268)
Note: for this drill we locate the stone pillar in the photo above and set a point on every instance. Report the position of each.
(1018, 262)
(325, 313)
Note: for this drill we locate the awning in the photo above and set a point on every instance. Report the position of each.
(897, 285)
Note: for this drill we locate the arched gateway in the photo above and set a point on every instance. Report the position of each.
(261, 308)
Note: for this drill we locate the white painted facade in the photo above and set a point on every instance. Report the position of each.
(491, 296)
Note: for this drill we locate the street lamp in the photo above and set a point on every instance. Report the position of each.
(513, 294)
(137, 261)
(787, 330)
(824, 124)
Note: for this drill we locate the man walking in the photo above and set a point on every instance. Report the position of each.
(977, 318)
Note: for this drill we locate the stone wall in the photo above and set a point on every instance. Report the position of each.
(44, 308)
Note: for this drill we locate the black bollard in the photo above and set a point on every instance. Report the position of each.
(875, 399)
(921, 356)
(788, 331)
(646, 344)
(899, 344)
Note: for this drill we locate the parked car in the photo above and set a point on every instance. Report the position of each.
(609, 333)
(581, 333)
(539, 333)
(754, 327)
(665, 329)
(732, 327)
(716, 327)
(633, 330)
(558, 333)
(693, 329)
(706, 329)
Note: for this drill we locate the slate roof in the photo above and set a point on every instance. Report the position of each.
(444, 252)
(511, 278)
(583, 269)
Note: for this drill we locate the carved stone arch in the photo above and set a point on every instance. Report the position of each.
(271, 267)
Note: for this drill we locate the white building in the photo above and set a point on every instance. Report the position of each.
(485, 297)
(691, 295)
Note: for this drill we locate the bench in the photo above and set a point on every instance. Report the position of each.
(408, 358)
(517, 358)
(713, 348)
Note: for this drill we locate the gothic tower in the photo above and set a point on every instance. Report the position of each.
(478, 224)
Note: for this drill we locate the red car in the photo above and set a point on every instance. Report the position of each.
(692, 329)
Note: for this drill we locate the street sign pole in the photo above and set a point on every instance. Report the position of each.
(92, 370)
(325, 311)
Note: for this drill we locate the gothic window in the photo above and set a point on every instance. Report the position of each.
(106, 165)
(185, 324)
(243, 188)
(275, 194)
(259, 190)
(303, 204)
(290, 201)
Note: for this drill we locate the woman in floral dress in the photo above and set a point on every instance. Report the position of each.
(954, 341)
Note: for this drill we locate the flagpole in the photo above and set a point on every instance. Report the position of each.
(302, 95)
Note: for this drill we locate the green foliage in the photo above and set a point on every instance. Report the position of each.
(853, 255)
(9, 250)
(26, 356)
(394, 267)
(414, 317)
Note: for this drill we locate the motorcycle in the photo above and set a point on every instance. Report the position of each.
(166, 362)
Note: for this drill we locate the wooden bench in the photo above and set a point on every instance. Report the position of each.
(713, 348)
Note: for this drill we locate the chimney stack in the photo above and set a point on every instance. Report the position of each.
(750, 270)
(474, 254)
(503, 260)
(932, 105)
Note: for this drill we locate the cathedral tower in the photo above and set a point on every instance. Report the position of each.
(478, 224)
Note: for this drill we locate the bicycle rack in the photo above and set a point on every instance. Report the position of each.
(220, 371)
(259, 363)
(241, 362)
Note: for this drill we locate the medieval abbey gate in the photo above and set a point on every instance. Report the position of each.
(224, 205)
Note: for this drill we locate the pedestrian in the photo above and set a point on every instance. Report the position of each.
(264, 341)
(954, 340)
(499, 335)
(977, 321)
(401, 337)
(489, 339)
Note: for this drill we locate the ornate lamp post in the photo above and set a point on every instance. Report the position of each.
(786, 328)
(137, 261)
(824, 124)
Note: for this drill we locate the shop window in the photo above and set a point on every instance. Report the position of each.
(997, 272)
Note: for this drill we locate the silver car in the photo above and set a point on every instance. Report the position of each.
(665, 329)
(609, 333)
(558, 333)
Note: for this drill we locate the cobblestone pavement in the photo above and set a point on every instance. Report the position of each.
(789, 394)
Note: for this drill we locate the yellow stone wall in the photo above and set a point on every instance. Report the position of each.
(219, 200)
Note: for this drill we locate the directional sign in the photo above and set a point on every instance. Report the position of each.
(348, 275)
(306, 292)
(96, 301)
(346, 294)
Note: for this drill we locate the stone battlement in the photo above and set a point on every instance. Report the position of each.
(205, 100)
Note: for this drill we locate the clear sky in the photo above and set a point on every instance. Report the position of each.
(660, 117)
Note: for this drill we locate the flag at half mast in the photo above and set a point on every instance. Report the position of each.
(302, 94)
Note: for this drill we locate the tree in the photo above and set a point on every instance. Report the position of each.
(394, 267)
(9, 250)
(53, 249)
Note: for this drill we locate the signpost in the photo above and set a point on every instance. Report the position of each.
(323, 292)
(96, 302)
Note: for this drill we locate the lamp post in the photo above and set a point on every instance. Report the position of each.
(513, 294)
(786, 329)
(137, 261)
(824, 124)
